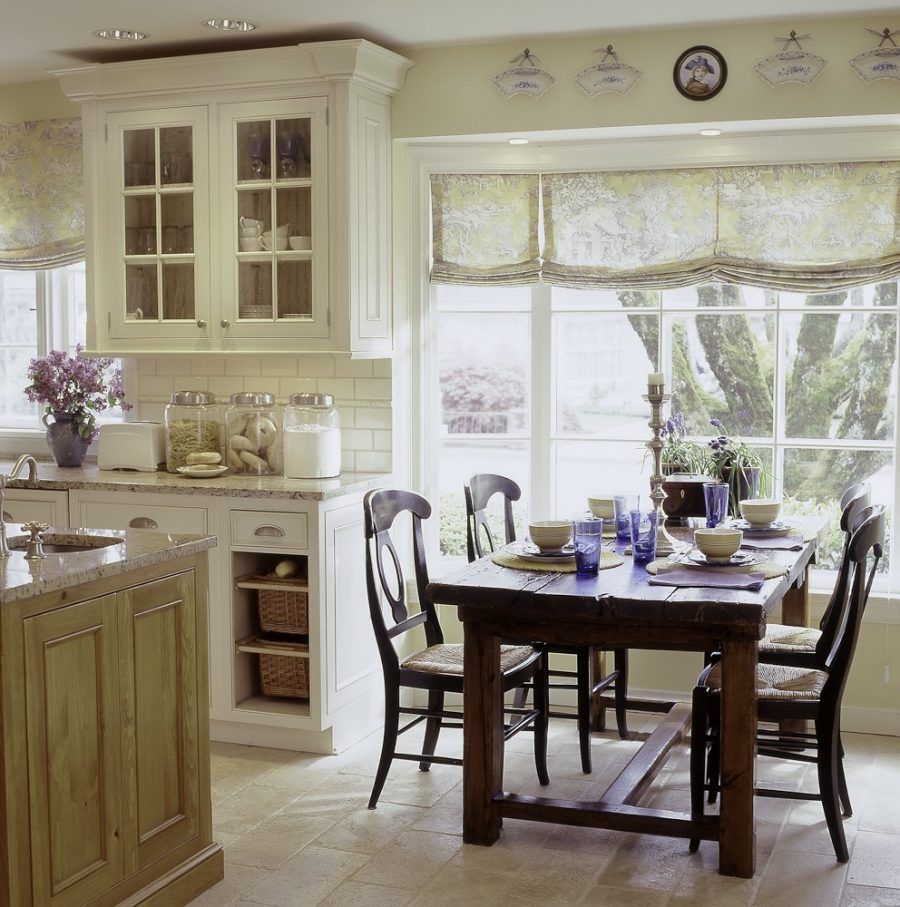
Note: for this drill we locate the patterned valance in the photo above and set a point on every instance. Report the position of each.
(804, 227)
(41, 194)
(485, 228)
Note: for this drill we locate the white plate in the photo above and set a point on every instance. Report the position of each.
(779, 527)
(202, 472)
(528, 551)
(741, 559)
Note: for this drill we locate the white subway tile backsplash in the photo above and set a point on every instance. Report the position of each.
(288, 386)
(381, 368)
(373, 388)
(150, 412)
(176, 366)
(208, 365)
(340, 388)
(373, 461)
(244, 366)
(146, 366)
(348, 461)
(223, 388)
(315, 366)
(356, 438)
(352, 368)
(382, 440)
(279, 366)
(155, 387)
(370, 417)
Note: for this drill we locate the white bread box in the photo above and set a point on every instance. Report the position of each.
(132, 445)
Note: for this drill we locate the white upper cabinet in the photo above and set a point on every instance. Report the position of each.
(240, 202)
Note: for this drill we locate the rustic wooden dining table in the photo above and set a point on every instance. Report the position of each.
(618, 608)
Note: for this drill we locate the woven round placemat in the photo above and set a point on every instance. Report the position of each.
(769, 569)
(608, 559)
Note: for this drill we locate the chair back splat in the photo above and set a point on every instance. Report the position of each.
(478, 492)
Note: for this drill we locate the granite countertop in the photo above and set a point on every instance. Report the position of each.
(20, 578)
(89, 476)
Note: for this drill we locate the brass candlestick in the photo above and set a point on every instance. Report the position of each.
(656, 397)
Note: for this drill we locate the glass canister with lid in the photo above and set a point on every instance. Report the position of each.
(253, 434)
(192, 430)
(312, 437)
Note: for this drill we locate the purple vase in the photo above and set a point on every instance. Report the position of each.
(66, 445)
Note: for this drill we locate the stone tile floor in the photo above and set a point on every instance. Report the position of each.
(296, 831)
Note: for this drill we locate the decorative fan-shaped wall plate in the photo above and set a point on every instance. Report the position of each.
(524, 77)
(878, 63)
(601, 77)
(791, 66)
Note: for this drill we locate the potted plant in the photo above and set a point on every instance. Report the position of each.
(734, 462)
(684, 465)
(72, 390)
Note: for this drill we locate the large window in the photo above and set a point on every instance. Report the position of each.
(544, 385)
(39, 311)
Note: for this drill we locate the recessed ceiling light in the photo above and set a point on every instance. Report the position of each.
(518, 141)
(710, 132)
(230, 24)
(120, 34)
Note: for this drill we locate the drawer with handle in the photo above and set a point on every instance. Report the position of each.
(138, 515)
(262, 529)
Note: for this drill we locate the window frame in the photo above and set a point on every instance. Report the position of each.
(54, 331)
(415, 365)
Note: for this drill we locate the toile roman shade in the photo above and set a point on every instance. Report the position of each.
(41, 194)
(796, 227)
(485, 228)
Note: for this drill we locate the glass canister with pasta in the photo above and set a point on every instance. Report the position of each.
(193, 432)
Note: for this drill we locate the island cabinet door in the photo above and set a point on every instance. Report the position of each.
(74, 768)
(158, 643)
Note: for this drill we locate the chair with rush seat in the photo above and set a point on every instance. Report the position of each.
(478, 492)
(785, 692)
(438, 668)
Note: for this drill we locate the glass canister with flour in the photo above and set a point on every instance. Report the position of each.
(312, 437)
(192, 430)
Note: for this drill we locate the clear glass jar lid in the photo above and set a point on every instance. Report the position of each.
(253, 398)
(192, 398)
(312, 400)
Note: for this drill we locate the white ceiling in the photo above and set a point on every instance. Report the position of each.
(39, 35)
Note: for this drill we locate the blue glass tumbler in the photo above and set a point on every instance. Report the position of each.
(643, 535)
(715, 497)
(624, 504)
(587, 538)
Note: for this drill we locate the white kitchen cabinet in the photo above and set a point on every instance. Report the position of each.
(21, 505)
(178, 150)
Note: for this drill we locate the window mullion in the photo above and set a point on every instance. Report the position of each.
(543, 372)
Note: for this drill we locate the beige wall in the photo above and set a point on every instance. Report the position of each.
(448, 92)
(35, 101)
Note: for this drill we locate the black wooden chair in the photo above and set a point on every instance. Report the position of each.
(478, 492)
(800, 693)
(807, 647)
(438, 668)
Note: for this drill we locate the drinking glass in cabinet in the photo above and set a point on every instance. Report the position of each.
(292, 142)
(178, 291)
(255, 290)
(294, 289)
(139, 157)
(140, 292)
(254, 152)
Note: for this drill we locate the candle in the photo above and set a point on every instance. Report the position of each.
(655, 379)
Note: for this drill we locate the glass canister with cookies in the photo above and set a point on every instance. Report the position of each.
(193, 431)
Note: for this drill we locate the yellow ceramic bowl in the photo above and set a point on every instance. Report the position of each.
(718, 544)
(602, 507)
(760, 511)
(550, 535)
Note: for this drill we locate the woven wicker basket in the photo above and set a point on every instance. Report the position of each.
(284, 610)
(284, 675)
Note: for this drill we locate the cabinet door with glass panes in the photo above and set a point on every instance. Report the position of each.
(274, 220)
(158, 231)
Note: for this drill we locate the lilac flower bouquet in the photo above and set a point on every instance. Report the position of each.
(82, 387)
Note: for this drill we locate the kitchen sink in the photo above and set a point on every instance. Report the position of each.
(66, 543)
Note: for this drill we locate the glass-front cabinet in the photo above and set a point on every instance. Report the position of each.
(158, 243)
(274, 224)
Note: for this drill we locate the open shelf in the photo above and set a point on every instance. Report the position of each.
(298, 708)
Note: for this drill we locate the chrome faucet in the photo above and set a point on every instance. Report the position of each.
(23, 461)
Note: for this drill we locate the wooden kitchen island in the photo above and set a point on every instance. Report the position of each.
(105, 793)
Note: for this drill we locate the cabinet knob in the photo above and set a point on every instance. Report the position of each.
(201, 323)
(225, 323)
(143, 522)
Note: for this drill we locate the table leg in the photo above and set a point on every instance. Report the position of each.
(737, 834)
(597, 669)
(482, 734)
